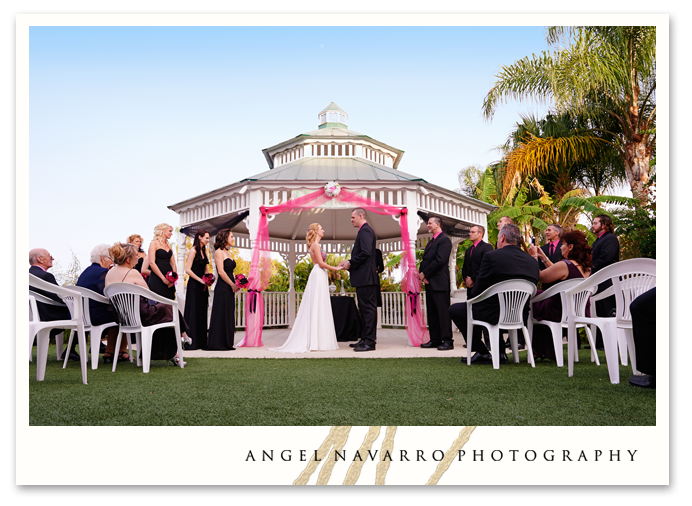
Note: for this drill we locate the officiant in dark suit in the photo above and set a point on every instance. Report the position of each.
(362, 269)
(40, 261)
(434, 273)
(505, 263)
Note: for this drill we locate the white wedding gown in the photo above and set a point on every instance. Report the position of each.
(313, 329)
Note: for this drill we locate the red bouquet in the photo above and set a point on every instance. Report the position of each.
(241, 280)
(208, 280)
(172, 276)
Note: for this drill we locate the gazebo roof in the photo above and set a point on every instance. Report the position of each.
(333, 169)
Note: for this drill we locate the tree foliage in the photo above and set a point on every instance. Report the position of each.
(603, 74)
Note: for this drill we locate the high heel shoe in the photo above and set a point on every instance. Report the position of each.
(108, 358)
(123, 355)
(176, 361)
(186, 339)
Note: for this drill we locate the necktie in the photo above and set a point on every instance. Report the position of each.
(551, 249)
(471, 252)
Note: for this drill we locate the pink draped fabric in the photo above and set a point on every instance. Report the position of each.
(260, 270)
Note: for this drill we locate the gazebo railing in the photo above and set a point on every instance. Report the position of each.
(276, 306)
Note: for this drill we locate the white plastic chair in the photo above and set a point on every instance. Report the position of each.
(630, 279)
(513, 295)
(556, 327)
(96, 331)
(34, 318)
(73, 301)
(125, 298)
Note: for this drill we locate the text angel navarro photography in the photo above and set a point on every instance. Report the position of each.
(549, 455)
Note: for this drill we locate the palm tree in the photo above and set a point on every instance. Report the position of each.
(603, 74)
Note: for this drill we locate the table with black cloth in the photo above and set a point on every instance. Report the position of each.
(347, 320)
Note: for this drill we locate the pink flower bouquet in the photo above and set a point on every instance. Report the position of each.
(208, 280)
(172, 276)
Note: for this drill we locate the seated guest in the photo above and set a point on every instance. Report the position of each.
(505, 263)
(576, 264)
(643, 311)
(142, 258)
(94, 278)
(473, 259)
(40, 261)
(164, 345)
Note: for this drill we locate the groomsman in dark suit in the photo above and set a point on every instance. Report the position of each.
(434, 273)
(505, 263)
(472, 264)
(606, 251)
(363, 273)
(552, 250)
(40, 261)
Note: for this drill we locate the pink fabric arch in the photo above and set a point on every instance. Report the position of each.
(260, 270)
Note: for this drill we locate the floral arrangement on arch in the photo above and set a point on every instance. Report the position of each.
(332, 189)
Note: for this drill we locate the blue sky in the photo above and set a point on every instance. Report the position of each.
(128, 120)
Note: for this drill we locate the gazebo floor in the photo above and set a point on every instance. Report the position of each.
(391, 343)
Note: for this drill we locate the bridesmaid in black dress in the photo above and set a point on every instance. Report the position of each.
(142, 259)
(222, 325)
(197, 294)
(161, 262)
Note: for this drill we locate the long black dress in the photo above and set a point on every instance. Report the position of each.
(163, 262)
(222, 325)
(196, 305)
(163, 342)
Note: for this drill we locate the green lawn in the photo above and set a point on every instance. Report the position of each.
(344, 391)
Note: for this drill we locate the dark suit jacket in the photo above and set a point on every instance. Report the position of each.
(363, 268)
(606, 251)
(472, 263)
(555, 257)
(45, 311)
(435, 264)
(500, 265)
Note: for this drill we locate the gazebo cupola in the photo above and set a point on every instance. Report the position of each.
(332, 116)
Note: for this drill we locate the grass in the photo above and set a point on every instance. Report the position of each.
(343, 391)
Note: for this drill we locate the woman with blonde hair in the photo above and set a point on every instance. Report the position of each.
(163, 346)
(162, 262)
(313, 329)
(143, 260)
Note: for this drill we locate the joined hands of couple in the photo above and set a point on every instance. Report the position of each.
(344, 265)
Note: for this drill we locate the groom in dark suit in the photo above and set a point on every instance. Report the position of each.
(434, 272)
(363, 272)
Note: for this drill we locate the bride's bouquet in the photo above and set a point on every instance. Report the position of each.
(332, 189)
(208, 280)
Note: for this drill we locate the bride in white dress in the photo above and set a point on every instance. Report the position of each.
(313, 329)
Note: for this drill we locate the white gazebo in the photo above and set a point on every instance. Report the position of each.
(303, 164)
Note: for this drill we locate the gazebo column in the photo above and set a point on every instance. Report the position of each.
(412, 206)
(182, 246)
(291, 286)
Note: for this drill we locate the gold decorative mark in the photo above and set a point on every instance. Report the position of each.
(444, 464)
(337, 433)
(387, 446)
(336, 440)
(354, 471)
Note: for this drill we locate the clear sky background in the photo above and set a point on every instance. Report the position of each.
(125, 121)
